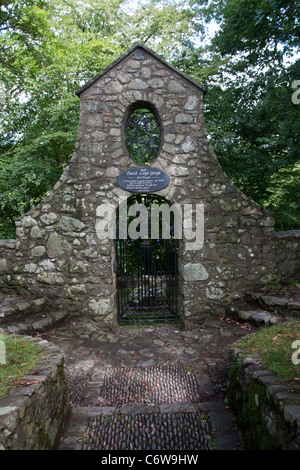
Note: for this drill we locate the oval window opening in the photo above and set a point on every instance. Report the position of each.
(142, 136)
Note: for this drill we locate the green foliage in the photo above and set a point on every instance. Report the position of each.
(39, 119)
(274, 346)
(259, 25)
(164, 25)
(49, 48)
(251, 119)
(257, 142)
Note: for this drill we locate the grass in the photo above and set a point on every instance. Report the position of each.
(275, 347)
(20, 357)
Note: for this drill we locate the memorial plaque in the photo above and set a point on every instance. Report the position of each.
(143, 180)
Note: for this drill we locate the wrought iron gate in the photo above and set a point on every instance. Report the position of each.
(147, 280)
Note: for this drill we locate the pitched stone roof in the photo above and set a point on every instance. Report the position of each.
(126, 54)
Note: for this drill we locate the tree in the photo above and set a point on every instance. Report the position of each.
(49, 48)
(52, 48)
(251, 118)
(51, 57)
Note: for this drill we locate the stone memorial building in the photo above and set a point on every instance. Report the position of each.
(141, 142)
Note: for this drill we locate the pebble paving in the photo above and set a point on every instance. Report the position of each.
(219, 376)
(178, 431)
(149, 385)
(148, 388)
(77, 383)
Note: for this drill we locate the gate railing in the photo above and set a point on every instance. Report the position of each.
(145, 291)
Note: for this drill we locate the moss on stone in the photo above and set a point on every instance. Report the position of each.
(259, 417)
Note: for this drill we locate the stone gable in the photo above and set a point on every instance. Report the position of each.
(58, 251)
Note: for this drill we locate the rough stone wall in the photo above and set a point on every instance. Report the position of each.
(7, 263)
(267, 412)
(32, 416)
(287, 255)
(58, 252)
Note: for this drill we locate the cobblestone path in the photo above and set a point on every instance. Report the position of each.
(149, 388)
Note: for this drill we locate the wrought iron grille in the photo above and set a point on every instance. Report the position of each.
(147, 274)
(142, 136)
(145, 291)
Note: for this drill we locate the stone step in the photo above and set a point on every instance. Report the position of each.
(36, 323)
(255, 315)
(285, 302)
(26, 314)
(19, 306)
(183, 426)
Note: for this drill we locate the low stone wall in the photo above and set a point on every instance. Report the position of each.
(287, 249)
(7, 261)
(32, 416)
(267, 413)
